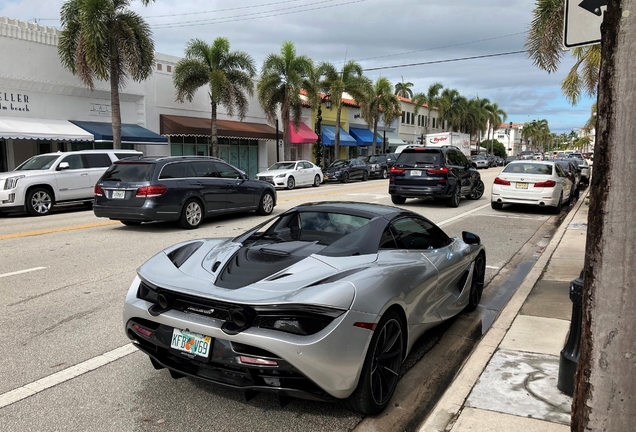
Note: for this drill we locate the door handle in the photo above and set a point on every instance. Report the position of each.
(84, 174)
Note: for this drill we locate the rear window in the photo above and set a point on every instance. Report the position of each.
(421, 157)
(129, 172)
(528, 168)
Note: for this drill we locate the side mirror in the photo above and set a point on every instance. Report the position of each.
(470, 238)
(473, 164)
(63, 166)
(299, 168)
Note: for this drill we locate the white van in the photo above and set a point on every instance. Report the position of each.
(399, 149)
(47, 180)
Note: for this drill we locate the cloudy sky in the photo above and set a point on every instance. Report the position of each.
(383, 35)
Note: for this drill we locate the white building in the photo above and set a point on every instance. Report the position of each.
(412, 128)
(510, 137)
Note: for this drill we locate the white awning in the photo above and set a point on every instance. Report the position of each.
(391, 137)
(41, 129)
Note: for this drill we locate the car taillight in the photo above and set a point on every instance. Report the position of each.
(501, 181)
(443, 170)
(98, 191)
(151, 191)
(545, 184)
(142, 330)
(395, 170)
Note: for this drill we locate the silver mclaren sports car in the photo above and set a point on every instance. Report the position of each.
(323, 301)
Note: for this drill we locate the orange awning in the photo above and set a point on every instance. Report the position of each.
(197, 126)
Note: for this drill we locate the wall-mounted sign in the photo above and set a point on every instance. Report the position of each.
(14, 102)
(98, 109)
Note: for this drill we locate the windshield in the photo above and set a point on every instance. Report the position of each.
(339, 163)
(282, 166)
(37, 163)
(375, 159)
(128, 172)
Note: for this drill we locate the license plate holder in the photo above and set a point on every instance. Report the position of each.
(119, 194)
(192, 343)
(416, 173)
(520, 185)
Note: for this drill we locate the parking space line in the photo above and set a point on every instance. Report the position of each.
(64, 375)
(55, 230)
(22, 271)
(460, 216)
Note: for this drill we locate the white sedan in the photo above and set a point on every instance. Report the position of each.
(290, 174)
(542, 183)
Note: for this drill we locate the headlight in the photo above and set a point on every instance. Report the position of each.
(337, 173)
(12, 182)
(281, 175)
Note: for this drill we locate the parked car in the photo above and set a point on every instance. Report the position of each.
(290, 174)
(378, 166)
(510, 159)
(542, 183)
(492, 161)
(499, 160)
(49, 180)
(344, 170)
(438, 172)
(178, 188)
(537, 156)
(480, 161)
(526, 154)
(586, 170)
(390, 159)
(574, 173)
(351, 286)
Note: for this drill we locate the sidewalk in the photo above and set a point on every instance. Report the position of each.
(510, 380)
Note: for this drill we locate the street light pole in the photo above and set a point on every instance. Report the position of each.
(277, 145)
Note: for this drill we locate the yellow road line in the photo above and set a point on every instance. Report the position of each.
(55, 230)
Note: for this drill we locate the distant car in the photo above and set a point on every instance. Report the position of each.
(492, 160)
(390, 159)
(178, 188)
(437, 172)
(537, 156)
(480, 162)
(344, 170)
(526, 154)
(574, 172)
(290, 174)
(542, 183)
(378, 166)
(586, 170)
(510, 159)
(323, 302)
(499, 160)
(49, 180)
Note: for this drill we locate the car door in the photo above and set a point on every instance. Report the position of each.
(96, 165)
(566, 183)
(301, 174)
(208, 183)
(453, 163)
(73, 182)
(310, 172)
(240, 193)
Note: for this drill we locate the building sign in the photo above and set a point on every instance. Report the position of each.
(14, 102)
(99, 109)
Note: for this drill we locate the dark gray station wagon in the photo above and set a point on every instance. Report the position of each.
(178, 188)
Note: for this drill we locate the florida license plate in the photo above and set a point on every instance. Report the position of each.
(192, 343)
(416, 173)
(522, 185)
(119, 194)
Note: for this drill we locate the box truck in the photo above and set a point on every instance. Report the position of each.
(459, 140)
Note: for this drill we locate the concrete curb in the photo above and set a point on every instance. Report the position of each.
(447, 410)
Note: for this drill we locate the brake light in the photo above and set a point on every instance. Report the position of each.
(395, 170)
(443, 170)
(98, 191)
(365, 325)
(142, 330)
(501, 181)
(151, 191)
(545, 184)
(257, 361)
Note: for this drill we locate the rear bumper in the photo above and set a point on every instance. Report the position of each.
(137, 214)
(419, 191)
(539, 198)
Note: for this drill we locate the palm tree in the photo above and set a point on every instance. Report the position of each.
(349, 80)
(544, 48)
(104, 40)
(453, 109)
(496, 116)
(282, 79)
(431, 99)
(228, 75)
(403, 89)
(537, 132)
(380, 103)
(316, 86)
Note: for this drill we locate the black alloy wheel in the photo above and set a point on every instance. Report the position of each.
(291, 183)
(316, 181)
(381, 369)
(396, 199)
(191, 214)
(384, 174)
(345, 177)
(266, 205)
(39, 202)
(365, 175)
(453, 200)
(477, 192)
(477, 284)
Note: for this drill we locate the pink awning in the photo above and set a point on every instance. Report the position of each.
(303, 136)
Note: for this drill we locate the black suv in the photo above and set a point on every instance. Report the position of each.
(178, 188)
(440, 172)
(380, 164)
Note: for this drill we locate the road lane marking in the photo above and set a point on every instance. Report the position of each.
(64, 375)
(22, 271)
(453, 219)
(56, 230)
(492, 267)
(331, 193)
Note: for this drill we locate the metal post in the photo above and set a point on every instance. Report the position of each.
(384, 141)
(572, 350)
(277, 145)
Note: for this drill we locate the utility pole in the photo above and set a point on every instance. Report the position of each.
(605, 381)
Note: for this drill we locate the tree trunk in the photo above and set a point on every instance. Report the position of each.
(336, 144)
(115, 110)
(214, 141)
(375, 135)
(285, 117)
(605, 382)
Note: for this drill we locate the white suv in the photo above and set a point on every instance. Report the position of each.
(51, 179)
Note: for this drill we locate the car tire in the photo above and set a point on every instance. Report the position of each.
(291, 183)
(477, 283)
(191, 214)
(345, 177)
(39, 202)
(384, 174)
(496, 205)
(266, 204)
(365, 176)
(557, 209)
(316, 181)
(385, 353)
(477, 192)
(130, 223)
(396, 199)
(456, 196)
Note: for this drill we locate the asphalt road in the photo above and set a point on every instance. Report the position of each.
(63, 279)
